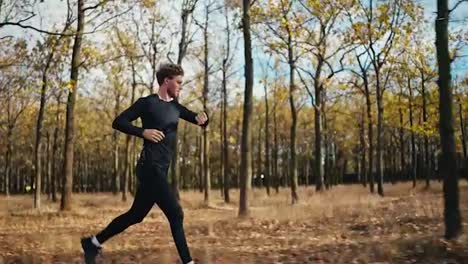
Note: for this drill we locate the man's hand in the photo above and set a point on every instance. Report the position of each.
(153, 135)
(201, 118)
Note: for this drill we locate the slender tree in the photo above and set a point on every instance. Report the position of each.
(448, 169)
(246, 155)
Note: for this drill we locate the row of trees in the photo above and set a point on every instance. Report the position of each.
(342, 84)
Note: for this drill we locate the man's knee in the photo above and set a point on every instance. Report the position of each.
(136, 217)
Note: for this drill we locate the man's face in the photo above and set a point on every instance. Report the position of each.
(174, 86)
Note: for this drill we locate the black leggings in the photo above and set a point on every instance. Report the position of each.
(153, 188)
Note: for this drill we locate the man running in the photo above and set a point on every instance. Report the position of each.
(159, 114)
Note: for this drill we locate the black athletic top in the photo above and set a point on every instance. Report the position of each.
(155, 114)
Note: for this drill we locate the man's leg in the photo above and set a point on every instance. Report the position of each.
(168, 203)
(142, 204)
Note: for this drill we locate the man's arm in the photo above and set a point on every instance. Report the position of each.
(193, 117)
(123, 122)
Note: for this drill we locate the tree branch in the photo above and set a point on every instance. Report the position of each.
(94, 6)
(457, 4)
(33, 28)
(305, 84)
(61, 34)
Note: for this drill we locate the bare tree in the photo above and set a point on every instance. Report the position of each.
(448, 168)
(54, 43)
(246, 155)
(188, 7)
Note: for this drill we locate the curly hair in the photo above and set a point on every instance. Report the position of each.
(168, 70)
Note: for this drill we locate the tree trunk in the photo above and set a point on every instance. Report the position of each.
(8, 159)
(127, 164)
(200, 164)
(402, 170)
(326, 148)
(452, 217)
(370, 173)
(402, 167)
(115, 155)
(221, 152)
(54, 153)
(275, 145)
(462, 127)
(86, 173)
(66, 202)
(38, 142)
(258, 171)
(206, 166)
(319, 173)
(293, 143)
(426, 168)
(254, 169)
(267, 141)
(380, 110)
(45, 182)
(246, 155)
(363, 150)
(413, 139)
(206, 134)
(49, 166)
(226, 164)
(188, 7)
(79, 172)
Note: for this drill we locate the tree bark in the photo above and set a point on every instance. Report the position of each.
(246, 155)
(66, 200)
(380, 110)
(226, 163)
(54, 152)
(452, 217)
(127, 164)
(115, 151)
(319, 173)
(370, 132)
(8, 159)
(462, 128)
(426, 168)
(38, 142)
(200, 164)
(188, 6)
(206, 130)
(413, 168)
(293, 143)
(225, 154)
(49, 165)
(363, 150)
(267, 140)
(275, 143)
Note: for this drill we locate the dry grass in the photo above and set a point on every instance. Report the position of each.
(343, 225)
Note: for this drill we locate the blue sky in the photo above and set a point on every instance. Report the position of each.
(460, 20)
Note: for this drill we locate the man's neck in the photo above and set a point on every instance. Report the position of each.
(163, 95)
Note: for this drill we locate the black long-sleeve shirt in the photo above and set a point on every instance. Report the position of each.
(155, 114)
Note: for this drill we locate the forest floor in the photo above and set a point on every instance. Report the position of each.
(343, 225)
